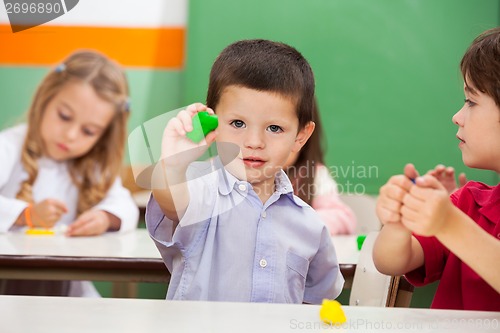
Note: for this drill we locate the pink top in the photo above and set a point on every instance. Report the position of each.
(337, 216)
(461, 287)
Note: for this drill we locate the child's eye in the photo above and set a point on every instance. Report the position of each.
(469, 102)
(238, 124)
(88, 132)
(275, 129)
(64, 117)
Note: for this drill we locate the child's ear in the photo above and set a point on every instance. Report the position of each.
(303, 135)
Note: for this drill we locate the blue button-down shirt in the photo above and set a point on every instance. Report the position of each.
(229, 246)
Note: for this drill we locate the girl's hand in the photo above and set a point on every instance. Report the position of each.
(175, 144)
(91, 223)
(446, 176)
(392, 194)
(46, 213)
(427, 207)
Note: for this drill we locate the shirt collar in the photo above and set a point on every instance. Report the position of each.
(488, 198)
(282, 183)
(283, 186)
(227, 181)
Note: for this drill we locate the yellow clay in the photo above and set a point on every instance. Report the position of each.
(39, 232)
(331, 312)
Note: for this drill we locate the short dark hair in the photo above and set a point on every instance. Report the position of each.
(264, 65)
(480, 64)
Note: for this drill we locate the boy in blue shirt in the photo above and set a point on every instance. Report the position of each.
(231, 229)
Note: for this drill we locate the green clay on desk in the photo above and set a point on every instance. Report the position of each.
(360, 240)
(203, 123)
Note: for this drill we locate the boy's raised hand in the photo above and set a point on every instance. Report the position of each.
(392, 194)
(446, 176)
(178, 151)
(427, 207)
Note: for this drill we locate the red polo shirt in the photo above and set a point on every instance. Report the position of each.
(460, 287)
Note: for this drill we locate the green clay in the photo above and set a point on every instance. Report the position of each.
(203, 123)
(360, 240)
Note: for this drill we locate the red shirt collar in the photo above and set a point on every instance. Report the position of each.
(488, 198)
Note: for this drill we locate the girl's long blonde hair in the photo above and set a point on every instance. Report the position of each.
(95, 172)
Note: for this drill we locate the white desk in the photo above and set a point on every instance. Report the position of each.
(127, 257)
(134, 244)
(75, 315)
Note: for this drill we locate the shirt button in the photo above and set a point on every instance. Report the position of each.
(498, 235)
(263, 215)
(242, 187)
(263, 263)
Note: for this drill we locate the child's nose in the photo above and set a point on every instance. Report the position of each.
(254, 140)
(72, 132)
(458, 117)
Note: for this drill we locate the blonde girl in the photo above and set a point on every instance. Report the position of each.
(61, 168)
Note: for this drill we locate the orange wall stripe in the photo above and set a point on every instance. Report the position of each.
(132, 47)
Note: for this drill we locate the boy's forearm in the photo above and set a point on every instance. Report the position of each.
(393, 250)
(171, 192)
(474, 246)
(171, 203)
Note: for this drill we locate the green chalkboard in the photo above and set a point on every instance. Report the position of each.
(386, 71)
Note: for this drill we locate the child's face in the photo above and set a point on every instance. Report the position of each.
(479, 130)
(265, 127)
(73, 121)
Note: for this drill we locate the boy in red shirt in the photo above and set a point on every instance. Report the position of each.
(455, 241)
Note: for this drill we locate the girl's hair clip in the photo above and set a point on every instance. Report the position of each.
(60, 68)
(126, 105)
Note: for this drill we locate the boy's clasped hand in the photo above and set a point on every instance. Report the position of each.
(420, 203)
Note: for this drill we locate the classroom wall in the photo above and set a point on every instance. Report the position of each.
(387, 73)
(146, 37)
